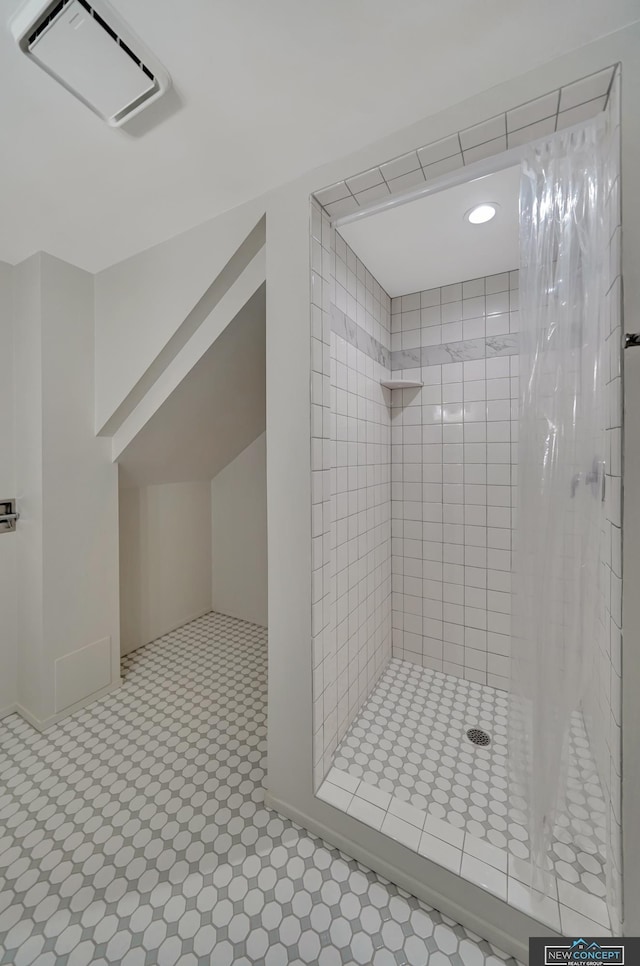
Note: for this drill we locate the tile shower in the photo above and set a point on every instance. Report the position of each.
(351, 517)
(453, 446)
(414, 503)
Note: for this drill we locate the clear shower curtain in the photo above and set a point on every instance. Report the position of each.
(556, 569)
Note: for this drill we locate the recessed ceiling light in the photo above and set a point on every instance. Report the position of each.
(481, 213)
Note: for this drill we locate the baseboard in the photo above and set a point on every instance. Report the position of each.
(43, 724)
(7, 710)
(236, 617)
(173, 627)
(80, 674)
(509, 931)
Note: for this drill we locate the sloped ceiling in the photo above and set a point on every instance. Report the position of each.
(263, 91)
(215, 412)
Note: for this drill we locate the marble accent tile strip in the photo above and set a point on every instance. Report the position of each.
(344, 327)
(464, 351)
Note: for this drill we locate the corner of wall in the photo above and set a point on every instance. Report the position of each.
(239, 536)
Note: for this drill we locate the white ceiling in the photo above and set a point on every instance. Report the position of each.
(262, 92)
(215, 412)
(428, 242)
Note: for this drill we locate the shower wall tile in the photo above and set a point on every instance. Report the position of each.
(351, 486)
(453, 446)
(544, 115)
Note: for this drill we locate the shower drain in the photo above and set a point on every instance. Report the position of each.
(478, 737)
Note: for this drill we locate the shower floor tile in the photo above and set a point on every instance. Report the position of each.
(409, 747)
(135, 832)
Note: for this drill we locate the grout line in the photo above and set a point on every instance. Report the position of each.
(423, 168)
(416, 675)
(555, 127)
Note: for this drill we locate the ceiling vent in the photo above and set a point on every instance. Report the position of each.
(90, 51)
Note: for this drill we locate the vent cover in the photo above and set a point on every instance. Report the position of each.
(90, 51)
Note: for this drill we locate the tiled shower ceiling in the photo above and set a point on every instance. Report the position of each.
(538, 118)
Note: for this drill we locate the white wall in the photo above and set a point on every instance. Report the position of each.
(239, 535)
(28, 454)
(80, 493)
(67, 541)
(8, 670)
(132, 309)
(165, 559)
(211, 415)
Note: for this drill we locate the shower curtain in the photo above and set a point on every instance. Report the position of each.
(557, 574)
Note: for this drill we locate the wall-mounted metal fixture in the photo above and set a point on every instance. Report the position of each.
(8, 516)
(631, 339)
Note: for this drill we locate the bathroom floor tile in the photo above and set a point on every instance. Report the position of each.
(409, 741)
(135, 831)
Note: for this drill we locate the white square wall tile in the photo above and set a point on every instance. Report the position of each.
(401, 831)
(375, 795)
(411, 302)
(438, 168)
(497, 283)
(430, 298)
(485, 131)
(334, 192)
(582, 112)
(587, 905)
(451, 293)
(486, 852)
(346, 206)
(535, 904)
(444, 830)
(406, 182)
(343, 779)
(486, 150)
(533, 111)
(452, 311)
(532, 132)
(439, 150)
(368, 179)
(497, 303)
(400, 166)
(375, 193)
(409, 813)
(365, 812)
(575, 924)
(440, 852)
(586, 89)
(486, 876)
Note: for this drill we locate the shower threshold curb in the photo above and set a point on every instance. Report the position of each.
(471, 858)
(484, 914)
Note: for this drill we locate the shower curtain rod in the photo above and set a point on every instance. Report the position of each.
(469, 172)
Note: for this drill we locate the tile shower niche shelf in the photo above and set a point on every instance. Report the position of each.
(401, 384)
